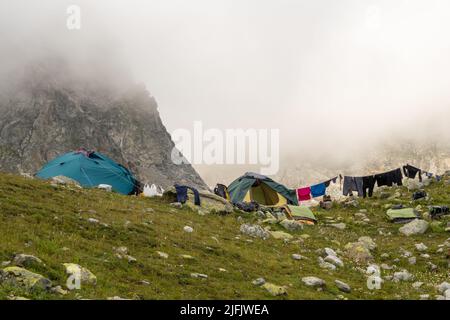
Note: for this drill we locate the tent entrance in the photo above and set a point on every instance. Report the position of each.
(265, 195)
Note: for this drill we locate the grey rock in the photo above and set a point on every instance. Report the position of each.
(443, 287)
(17, 276)
(334, 260)
(313, 282)
(421, 247)
(417, 284)
(25, 260)
(199, 275)
(414, 227)
(291, 225)
(296, 256)
(342, 286)
(254, 230)
(259, 282)
(340, 226)
(412, 260)
(188, 229)
(403, 275)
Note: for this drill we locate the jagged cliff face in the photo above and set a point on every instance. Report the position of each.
(45, 114)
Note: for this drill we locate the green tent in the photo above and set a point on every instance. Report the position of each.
(261, 189)
(301, 213)
(400, 214)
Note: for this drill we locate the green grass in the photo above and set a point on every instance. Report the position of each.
(52, 223)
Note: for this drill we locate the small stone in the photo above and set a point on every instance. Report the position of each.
(162, 254)
(297, 256)
(92, 220)
(199, 275)
(412, 260)
(326, 265)
(334, 260)
(274, 290)
(444, 286)
(259, 282)
(223, 270)
(177, 205)
(330, 252)
(291, 225)
(187, 257)
(313, 282)
(85, 276)
(59, 290)
(421, 247)
(281, 235)
(342, 286)
(417, 284)
(25, 260)
(402, 276)
(414, 227)
(255, 231)
(145, 282)
(425, 255)
(188, 229)
(368, 242)
(340, 226)
(122, 250)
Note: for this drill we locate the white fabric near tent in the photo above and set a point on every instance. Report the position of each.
(153, 191)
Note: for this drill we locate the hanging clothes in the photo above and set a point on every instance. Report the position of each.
(368, 186)
(411, 172)
(318, 190)
(304, 194)
(389, 178)
(328, 182)
(353, 184)
(182, 194)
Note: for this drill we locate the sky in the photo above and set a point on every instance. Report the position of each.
(330, 75)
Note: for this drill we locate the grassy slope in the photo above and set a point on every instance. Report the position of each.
(37, 218)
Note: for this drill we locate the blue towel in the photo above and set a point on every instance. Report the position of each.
(318, 190)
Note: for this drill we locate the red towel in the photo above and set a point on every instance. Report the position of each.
(304, 194)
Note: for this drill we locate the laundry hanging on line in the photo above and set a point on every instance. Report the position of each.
(389, 178)
(353, 184)
(304, 194)
(411, 172)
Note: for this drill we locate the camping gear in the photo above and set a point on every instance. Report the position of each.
(261, 189)
(247, 206)
(300, 213)
(91, 169)
(402, 215)
(182, 195)
(438, 211)
(304, 194)
(222, 191)
(419, 195)
(153, 191)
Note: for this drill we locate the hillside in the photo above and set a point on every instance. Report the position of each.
(65, 224)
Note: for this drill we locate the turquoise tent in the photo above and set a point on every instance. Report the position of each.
(90, 169)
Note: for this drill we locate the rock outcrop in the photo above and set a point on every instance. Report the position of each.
(49, 111)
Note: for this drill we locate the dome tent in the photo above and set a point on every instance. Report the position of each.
(261, 189)
(90, 169)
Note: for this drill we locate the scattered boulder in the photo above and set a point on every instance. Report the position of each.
(326, 265)
(421, 247)
(368, 242)
(340, 226)
(18, 276)
(291, 225)
(255, 231)
(162, 254)
(414, 227)
(444, 286)
(334, 260)
(281, 235)
(358, 252)
(259, 282)
(25, 260)
(86, 276)
(313, 282)
(342, 286)
(403, 275)
(296, 256)
(274, 290)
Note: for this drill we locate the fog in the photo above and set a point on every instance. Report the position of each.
(336, 77)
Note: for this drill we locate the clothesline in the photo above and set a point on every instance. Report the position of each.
(364, 185)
